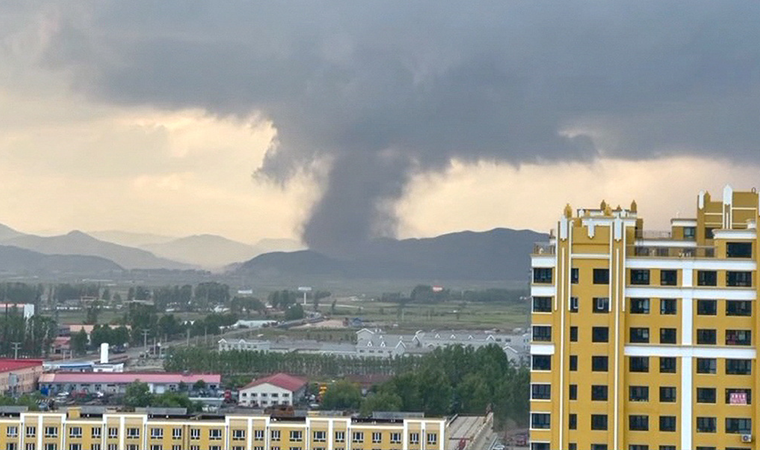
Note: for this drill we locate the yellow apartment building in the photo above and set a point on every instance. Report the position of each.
(76, 429)
(647, 340)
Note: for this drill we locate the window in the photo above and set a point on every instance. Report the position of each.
(668, 306)
(639, 335)
(735, 425)
(32, 432)
(542, 304)
(71, 447)
(156, 433)
(572, 421)
(295, 436)
(95, 447)
(539, 446)
(238, 435)
(738, 279)
(599, 393)
(691, 234)
(600, 334)
(640, 276)
(667, 423)
(573, 334)
(639, 306)
(668, 336)
(573, 391)
(638, 447)
(739, 250)
(195, 433)
(706, 424)
(541, 392)
(705, 395)
(639, 363)
(738, 308)
(30, 446)
(668, 277)
(542, 275)
(432, 438)
(735, 396)
(542, 333)
(574, 304)
(340, 436)
(395, 438)
(598, 446)
(638, 423)
(706, 365)
(667, 364)
(133, 433)
(75, 432)
(95, 432)
(177, 433)
(541, 362)
(599, 422)
(738, 337)
(707, 307)
(156, 447)
(414, 438)
(574, 275)
(706, 337)
(638, 393)
(51, 446)
(599, 364)
(707, 278)
(357, 437)
(540, 421)
(113, 433)
(51, 432)
(573, 363)
(601, 304)
(738, 367)
(601, 276)
(12, 432)
(275, 435)
(320, 436)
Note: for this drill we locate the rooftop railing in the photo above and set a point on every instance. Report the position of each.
(653, 234)
(670, 252)
(543, 248)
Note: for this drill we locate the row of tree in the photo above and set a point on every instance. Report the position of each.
(430, 294)
(450, 380)
(31, 337)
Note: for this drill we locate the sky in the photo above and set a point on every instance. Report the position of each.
(334, 122)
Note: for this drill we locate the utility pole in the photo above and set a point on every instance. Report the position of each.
(188, 336)
(16, 347)
(145, 339)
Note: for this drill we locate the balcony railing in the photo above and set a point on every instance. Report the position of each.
(670, 252)
(543, 248)
(653, 234)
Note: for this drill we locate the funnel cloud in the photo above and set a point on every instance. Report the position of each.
(380, 91)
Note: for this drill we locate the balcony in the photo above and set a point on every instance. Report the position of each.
(670, 252)
(543, 248)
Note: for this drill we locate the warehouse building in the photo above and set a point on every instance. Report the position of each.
(117, 382)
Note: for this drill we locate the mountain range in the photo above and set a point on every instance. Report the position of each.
(497, 255)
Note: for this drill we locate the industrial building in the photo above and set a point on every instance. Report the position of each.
(647, 340)
(90, 428)
(117, 382)
(19, 376)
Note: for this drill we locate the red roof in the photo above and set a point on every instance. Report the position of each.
(7, 365)
(127, 377)
(281, 380)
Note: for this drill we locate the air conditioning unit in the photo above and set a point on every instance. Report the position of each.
(746, 438)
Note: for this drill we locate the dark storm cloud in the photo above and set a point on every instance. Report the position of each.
(386, 89)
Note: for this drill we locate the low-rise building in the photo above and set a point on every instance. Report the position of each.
(277, 389)
(117, 382)
(26, 309)
(18, 376)
(88, 428)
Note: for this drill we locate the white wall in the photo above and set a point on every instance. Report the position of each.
(264, 393)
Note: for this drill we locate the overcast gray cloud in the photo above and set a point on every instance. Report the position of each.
(384, 90)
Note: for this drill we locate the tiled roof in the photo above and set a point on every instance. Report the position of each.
(7, 365)
(281, 380)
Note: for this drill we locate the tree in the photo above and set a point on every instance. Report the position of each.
(93, 311)
(294, 312)
(381, 401)
(342, 395)
(79, 342)
(199, 385)
(138, 395)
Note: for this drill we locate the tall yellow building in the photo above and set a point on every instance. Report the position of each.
(647, 340)
(79, 430)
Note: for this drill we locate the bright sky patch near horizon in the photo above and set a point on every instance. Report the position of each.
(335, 121)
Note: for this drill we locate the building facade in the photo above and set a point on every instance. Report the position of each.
(19, 376)
(80, 430)
(647, 340)
(117, 382)
(274, 390)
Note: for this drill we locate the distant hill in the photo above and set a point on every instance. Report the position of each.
(78, 243)
(14, 260)
(129, 238)
(7, 232)
(499, 254)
